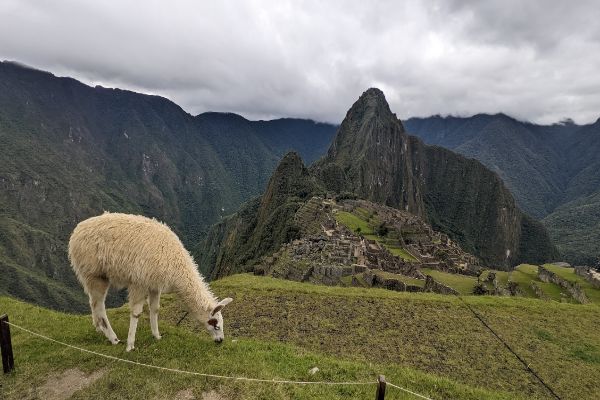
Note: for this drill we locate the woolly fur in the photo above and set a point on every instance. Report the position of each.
(135, 251)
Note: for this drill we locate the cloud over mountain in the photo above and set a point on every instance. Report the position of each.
(536, 60)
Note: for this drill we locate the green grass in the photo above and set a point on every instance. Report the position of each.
(400, 252)
(553, 291)
(523, 275)
(426, 342)
(428, 332)
(569, 275)
(353, 221)
(502, 277)
(39, 362)
(461, 283)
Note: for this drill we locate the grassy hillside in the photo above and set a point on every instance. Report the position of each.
(431, 344)
(525, 276)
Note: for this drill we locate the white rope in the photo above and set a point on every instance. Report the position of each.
(237, 378)
(408, 391)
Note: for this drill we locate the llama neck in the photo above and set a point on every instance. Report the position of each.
(195, 293)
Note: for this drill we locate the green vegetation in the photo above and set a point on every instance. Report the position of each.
(501, 276)
(428, 343)
(353, 222)
(463, 284)
(400, 252)
(569, 275)
(523, 275)
(77, 151)
(263, 225)
(575, 227)
(430, 332)
(526, 274)
(370, 227)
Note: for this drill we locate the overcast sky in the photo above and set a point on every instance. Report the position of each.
(534, 60)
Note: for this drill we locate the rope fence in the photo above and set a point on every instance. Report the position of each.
(235, 378)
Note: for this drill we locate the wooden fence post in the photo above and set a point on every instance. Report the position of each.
(8, 362)
(380, 395)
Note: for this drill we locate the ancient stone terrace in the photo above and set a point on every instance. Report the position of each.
(329, 250)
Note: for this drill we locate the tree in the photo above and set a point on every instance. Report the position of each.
(382, 229)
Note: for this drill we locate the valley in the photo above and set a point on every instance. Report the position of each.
(69, 151)
(299, 200)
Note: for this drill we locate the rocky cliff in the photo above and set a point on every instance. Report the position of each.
(374, 158)
(263, 225)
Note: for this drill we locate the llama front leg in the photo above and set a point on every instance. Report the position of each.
(97, 289)
(136, 306)
(154, 305)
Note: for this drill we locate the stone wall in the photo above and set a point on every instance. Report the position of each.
(538, 291)
(589, 275)
(431, 285)
(574, 289)
(374, 280)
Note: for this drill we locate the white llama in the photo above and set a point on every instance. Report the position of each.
(146, 257)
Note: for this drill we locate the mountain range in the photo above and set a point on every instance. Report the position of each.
(69, 151)
(552, 170)
(373, 158)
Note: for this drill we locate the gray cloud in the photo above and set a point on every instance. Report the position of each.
(535, 60)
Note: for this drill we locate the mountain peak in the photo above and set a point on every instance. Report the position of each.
(368, 124)
(291, 178)
(373, 93)
(371, 103)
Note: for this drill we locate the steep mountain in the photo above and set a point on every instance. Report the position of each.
(583, 163)
(69, 151)
(263, 224)
(524, 158)
(552, 170)
(575, 226)
(372, 158)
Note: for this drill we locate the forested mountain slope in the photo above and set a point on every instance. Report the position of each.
(69, 151)
(552, 170)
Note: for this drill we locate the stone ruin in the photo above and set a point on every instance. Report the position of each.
(330, 253)
(589, 274)
(573, 288)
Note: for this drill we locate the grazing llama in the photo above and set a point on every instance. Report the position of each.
(146, 257)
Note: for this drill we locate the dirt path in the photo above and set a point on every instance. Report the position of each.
(64, 385)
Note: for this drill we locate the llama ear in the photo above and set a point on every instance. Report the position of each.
(220, 305)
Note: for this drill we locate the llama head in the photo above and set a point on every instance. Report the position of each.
(215, 320)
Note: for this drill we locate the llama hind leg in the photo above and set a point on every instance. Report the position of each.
(136, 306)
(154, 305)
(97, 289)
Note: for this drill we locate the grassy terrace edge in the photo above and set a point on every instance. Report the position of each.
(263, 348)
(38, 361)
